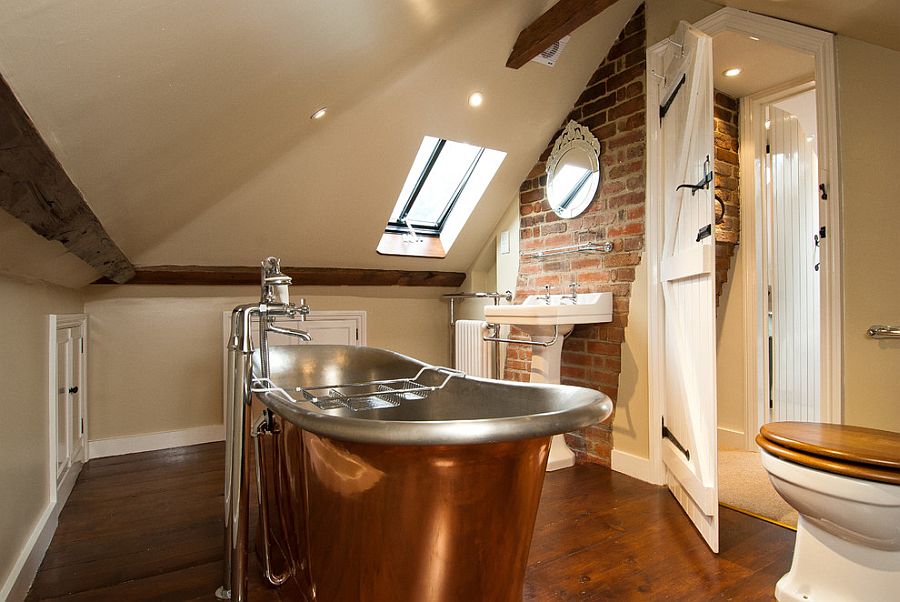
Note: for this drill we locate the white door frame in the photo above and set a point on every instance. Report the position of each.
(820, 44)
(60, 491)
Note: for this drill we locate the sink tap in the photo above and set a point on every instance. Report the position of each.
(546, 295)
(574, 294)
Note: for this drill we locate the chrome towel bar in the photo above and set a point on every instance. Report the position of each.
(880, 331)
(495, 328)
(586, 247)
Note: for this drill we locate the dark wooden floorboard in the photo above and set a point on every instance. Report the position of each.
(149, 527)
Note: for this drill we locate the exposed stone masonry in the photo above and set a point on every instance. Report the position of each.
(613, 107)
(727, 185)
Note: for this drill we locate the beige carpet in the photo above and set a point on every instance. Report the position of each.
(744, 485)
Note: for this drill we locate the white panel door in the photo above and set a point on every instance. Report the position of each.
(63, 378)
(76, 396)
(687, 280)
(793, 212)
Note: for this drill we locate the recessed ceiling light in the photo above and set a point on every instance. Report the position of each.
(754, 38)
(475, 99)
(733, 72)
(319, 114)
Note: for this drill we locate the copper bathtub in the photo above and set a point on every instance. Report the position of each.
(433, 500)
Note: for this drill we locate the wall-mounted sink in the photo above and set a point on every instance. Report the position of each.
(589, 308)
(548, 323)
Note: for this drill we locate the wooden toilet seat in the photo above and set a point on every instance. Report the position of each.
(852, 451)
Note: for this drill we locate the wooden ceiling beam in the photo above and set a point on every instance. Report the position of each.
(560, 20)
(249, 275)
(35, 189)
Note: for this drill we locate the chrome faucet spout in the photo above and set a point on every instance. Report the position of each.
(293, 332)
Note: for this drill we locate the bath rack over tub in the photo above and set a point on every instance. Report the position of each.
(368, 395)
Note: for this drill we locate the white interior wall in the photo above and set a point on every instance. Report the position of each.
(156, 351)
(24, 407)
(730, 385)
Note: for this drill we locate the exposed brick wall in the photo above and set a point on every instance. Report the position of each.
(727, 185)
(613, 107)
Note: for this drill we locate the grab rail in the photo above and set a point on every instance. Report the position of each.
(496, 339)
(880, 331)
(585, 247)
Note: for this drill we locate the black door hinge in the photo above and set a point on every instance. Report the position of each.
(667, 434)
(823, 192)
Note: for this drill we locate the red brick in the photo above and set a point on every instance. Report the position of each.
(601, 104)
(625, 274)
(626, 108)
(591, 93)
(532, 196)
(624, 77)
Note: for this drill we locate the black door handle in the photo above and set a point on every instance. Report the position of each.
(73, 389)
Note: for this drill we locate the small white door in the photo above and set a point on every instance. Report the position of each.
(63, 376)
(70, 411)
(687, 280)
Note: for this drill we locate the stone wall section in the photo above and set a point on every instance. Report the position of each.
(727, 185)
(613, 107)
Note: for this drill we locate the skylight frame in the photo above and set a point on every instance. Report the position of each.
(401, 224)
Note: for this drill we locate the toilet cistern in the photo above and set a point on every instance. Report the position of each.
(548, 319)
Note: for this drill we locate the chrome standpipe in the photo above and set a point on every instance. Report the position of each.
(274, 303)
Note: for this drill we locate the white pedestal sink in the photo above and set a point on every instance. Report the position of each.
(547, 320)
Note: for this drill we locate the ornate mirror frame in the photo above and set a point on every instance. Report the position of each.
(573, 137)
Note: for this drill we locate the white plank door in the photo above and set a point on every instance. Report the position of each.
(687, 279)
(793, 209)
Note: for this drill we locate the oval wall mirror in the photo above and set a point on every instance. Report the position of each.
(573, 171)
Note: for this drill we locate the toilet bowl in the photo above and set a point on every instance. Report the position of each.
(844, 482)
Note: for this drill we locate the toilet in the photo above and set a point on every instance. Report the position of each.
(844, 482)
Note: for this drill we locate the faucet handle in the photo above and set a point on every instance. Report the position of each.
(303, 309)
(573, 287)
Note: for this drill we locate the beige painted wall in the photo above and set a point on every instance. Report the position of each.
(869, 85)
(24, 413)
(156, 351)
(630, 425)
(493, 271)
(730, 342)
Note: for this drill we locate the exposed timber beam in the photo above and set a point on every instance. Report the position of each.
(236, 275)
(560, 20)
(35, 189)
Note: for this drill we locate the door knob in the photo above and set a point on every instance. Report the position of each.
(73, 390)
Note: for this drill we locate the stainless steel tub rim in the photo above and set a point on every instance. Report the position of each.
(466, 411)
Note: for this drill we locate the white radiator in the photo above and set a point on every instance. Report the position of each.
(474, 356)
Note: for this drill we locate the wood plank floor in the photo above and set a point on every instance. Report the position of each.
(148, 527)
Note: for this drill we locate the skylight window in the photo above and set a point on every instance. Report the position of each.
(446, 181)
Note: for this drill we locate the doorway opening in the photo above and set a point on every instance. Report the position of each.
(778, 90)
(777, 259)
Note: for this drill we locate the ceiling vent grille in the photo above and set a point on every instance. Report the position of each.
(551, 54)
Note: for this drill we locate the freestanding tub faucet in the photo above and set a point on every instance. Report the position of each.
(274, 302)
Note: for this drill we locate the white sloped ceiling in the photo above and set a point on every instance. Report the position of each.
(186, 124)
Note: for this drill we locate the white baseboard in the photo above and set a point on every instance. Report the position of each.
(731, 439)
(631, 465)
(118, 446)
(29, 561)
